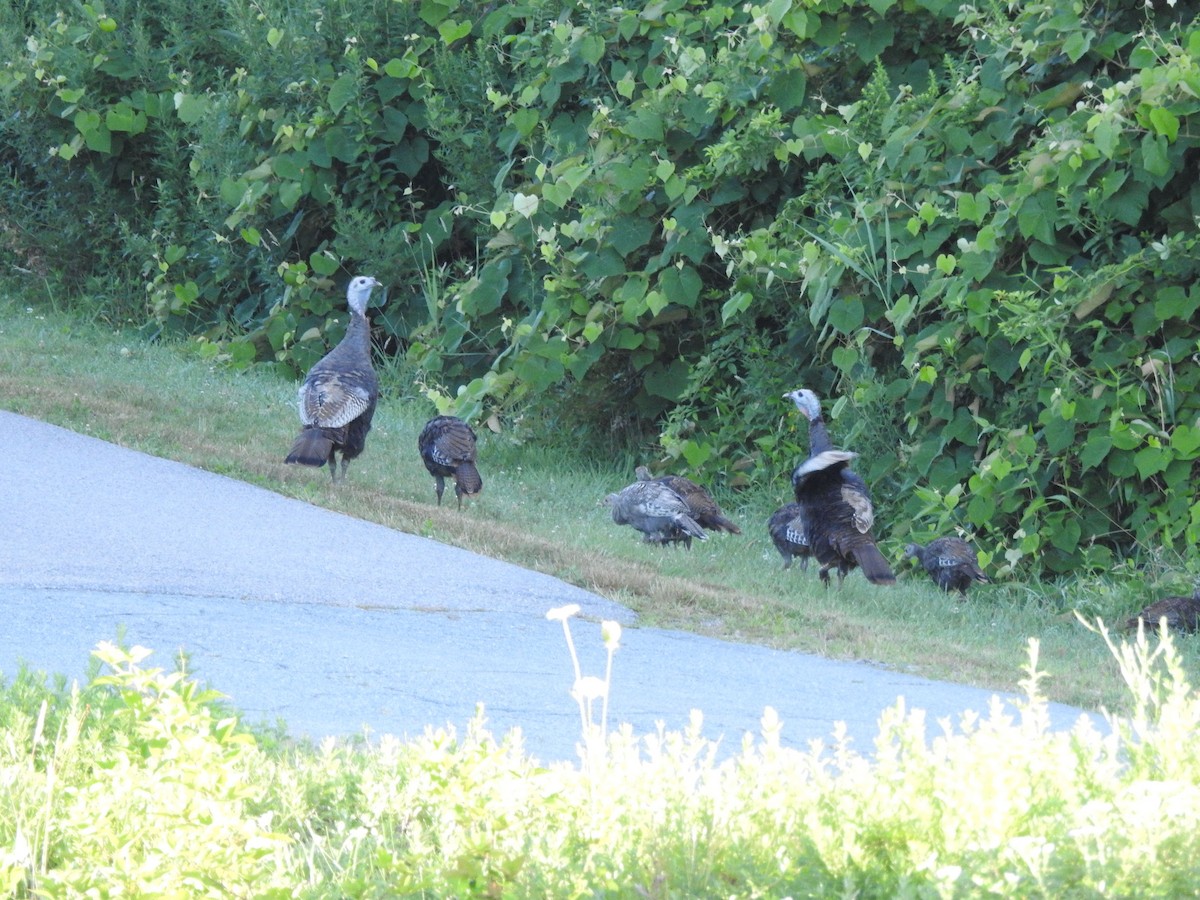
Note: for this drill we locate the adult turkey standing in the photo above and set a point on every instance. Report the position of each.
(338, 397)
(447, 446)
(950, 562)
(835, 502)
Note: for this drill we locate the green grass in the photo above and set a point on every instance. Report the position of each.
(540, 508)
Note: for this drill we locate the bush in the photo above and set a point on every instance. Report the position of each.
(969, 226)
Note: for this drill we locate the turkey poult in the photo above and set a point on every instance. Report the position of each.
(660, 514)
(789, 533)
(950, 562)
(836, 503)
(338, 397)
(1181, 613)
(447, 446)
(702, 507)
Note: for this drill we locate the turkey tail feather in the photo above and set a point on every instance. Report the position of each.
(311, 448)
(467, 478)
(691, 526)
(720, 523)
(873, 565)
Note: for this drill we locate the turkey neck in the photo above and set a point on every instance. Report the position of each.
(356, 343)
(818, 437)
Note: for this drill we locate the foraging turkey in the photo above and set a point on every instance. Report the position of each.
(338, 397)
(660, 514)
(447, 446)
(1181, 613)
(789, 533)
(950, 562)
(836, 503)
(702, 506)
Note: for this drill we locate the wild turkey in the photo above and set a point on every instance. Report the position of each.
(1181, 613)
(660, 514)
(950, 562)
(789, 532)
(836, 503)
(338, 397)
(447, 446)
(703, 507)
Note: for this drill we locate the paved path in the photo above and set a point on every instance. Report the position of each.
(340, 626)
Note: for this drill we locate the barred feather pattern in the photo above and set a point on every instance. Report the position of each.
(660, 514)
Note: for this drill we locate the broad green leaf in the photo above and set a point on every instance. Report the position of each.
(525, 120)
(1107, 135)
(525, 204)
(433, 12)
(451, 31)
(696, 454)
(735, 305)
(656, 302)
(232, 191)
(539, 372)
(1165, 123)
(1151, 460)
(343, 144)
(1095, 449)
(591, 48)
(1154, 155)
(402, 67)
(630, 233)
(289, 166)
(1185, 441)
(1174, 302)
(1064, 533)
(395, 122)
(1037, 216)
(628, 339)
(323, 263)
(846, 359)
(631, 294)
(290, 193)
(96, 136)
(483, 293)
(190, 108)
(1076, 45)
(681, 285)
(645, 125)
(788, 90)
(342, 91)
(1058, 432)
(846, 314)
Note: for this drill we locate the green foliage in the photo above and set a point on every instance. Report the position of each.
(141, 783)
(969, 226)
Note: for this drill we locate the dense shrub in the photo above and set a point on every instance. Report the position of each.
(970, 225)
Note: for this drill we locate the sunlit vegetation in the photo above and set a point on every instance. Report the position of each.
(141, 783)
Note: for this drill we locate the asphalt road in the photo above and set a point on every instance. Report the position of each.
(342, 627)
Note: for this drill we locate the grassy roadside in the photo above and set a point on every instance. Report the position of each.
(540, 509)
